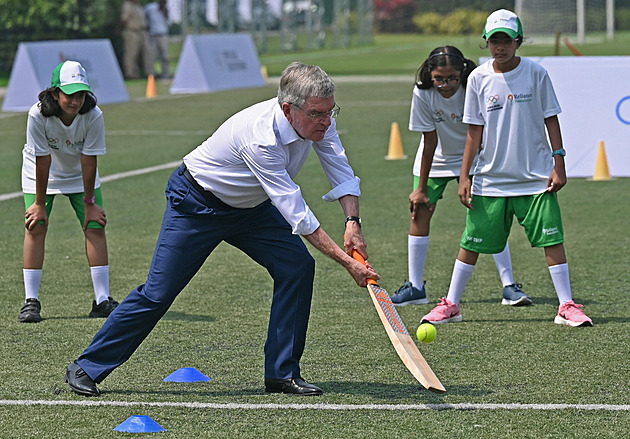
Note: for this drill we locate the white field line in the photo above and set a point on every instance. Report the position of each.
(118, 176)
(340, 407)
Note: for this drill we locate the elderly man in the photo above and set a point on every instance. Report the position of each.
(238, 187)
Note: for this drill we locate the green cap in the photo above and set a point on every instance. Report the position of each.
(70, 77)
(503, 21)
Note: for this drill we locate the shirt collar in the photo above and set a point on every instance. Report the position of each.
(285, 129)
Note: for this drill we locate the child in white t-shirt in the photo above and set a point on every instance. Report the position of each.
(437, 108)
(65, 133)
(511, 107)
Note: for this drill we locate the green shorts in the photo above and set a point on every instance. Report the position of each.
(435, 187)
(488, 224)
(76, 200)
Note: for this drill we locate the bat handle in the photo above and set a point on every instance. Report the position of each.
(356, 255)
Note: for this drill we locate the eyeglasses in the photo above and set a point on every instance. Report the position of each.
(320, 116)
(440, 82)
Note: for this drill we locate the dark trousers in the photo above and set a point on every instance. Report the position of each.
(195, 222)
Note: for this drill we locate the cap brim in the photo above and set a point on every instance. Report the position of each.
(514, 35)
(73, 88)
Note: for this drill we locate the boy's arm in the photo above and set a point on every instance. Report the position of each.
(558, 177)
(473, 145)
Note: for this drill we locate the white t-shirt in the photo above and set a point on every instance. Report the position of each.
(49, 136)
(515, 158)
(431, 111)
(254, 156)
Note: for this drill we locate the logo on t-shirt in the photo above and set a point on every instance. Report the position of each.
(520, 97)
(438, 116)
(493, 103)
(52, 143)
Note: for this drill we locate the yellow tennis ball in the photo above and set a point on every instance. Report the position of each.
(426, 333)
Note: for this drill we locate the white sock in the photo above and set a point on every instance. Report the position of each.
(32, 280)
(503, 261)
(418, 248)
(560, 277)
(100, 280)
(461, 275)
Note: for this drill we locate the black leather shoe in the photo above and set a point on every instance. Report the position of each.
(80, 382)
(293, 386)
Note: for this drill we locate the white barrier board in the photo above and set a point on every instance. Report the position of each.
(217, 62)
(35, 61)
(594, 93)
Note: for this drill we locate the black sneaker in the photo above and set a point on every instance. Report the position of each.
(30, 312)
(103, 309)
(514, 296)
(408, 295)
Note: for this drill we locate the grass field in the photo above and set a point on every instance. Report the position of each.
(509, 372)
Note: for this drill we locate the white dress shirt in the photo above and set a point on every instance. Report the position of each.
(256, 154)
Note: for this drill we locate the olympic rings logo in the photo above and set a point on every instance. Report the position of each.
(618, 110)
(492, 99)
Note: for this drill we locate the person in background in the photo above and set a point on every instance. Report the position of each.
(238, 187)
(65, 133)
(136, 42)
(437, 107)
(157, 15)
(512, 114)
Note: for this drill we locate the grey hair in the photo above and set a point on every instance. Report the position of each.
(301, 81)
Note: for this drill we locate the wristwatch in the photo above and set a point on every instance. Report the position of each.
(560, 151)
(356, 219)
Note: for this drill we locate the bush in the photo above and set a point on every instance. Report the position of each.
(458, 22)
(429, 22)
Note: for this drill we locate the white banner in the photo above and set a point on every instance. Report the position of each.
(35, 61)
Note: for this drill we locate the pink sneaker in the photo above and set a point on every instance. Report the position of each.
(571, 314)
(445, 312)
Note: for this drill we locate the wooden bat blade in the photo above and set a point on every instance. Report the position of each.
(400, 338)
(402, 341)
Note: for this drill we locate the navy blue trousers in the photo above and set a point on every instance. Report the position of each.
(195, 222)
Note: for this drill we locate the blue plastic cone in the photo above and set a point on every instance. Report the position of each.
(139, 424)
(187, 375)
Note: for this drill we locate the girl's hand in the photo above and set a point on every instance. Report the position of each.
(35, 214)
(94, 212)
(416, 198)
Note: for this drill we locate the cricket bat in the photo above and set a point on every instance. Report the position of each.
(400, 338)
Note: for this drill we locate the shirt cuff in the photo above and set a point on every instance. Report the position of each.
(307, 225)
(350, 187)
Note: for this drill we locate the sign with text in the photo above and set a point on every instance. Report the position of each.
(217, 62)
(35, 61)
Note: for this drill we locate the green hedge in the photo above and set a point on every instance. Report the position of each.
(458, 22)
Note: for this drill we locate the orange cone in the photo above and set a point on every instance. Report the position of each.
(396, 151)
(601, 167)
(151, 90)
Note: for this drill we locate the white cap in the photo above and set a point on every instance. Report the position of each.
(503, 21)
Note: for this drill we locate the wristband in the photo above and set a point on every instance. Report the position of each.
(87, 200)
(356, 219)
(560, 151)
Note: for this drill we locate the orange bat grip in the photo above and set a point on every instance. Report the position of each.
(356, 255)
